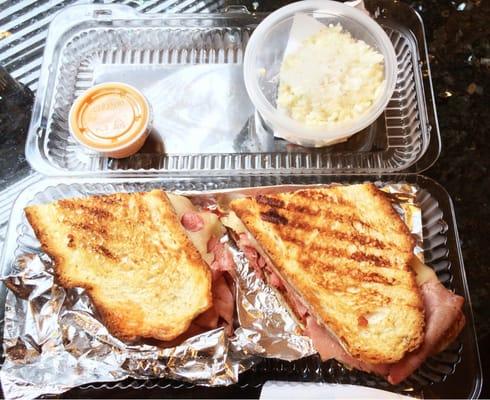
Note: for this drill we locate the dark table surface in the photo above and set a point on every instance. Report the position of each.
(458, 34)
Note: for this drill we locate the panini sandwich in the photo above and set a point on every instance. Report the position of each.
(343, 260)
(136, 257)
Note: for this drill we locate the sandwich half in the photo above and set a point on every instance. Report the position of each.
(131, 252)
(343, 260)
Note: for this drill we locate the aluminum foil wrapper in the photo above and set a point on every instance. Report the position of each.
(55, 341)
(404, 201)
(267, 328)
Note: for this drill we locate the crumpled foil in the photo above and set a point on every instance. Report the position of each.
(54, 340)
(404, 200)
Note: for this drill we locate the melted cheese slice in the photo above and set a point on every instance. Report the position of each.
(235, 224)
(212, 225)
(423, 272)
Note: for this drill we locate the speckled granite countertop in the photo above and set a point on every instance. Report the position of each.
(458, 33)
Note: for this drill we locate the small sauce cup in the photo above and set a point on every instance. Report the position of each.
(111, 118)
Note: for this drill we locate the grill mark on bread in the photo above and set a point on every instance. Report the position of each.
(110, 199)
(316, 265)
(93, 211)
(346, 236)
(305, 209)
(269, 201)
(356, 274)
(299, 209)
(273, 217)
(362, 239)
(371, 277)
(336, 252)
(71, 241)
(325, 213)
(315, 195)
(105, 252)
(376, 297)
(363, 257)
(90, 227)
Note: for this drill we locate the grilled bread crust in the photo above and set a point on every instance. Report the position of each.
(131, 254)
(346, 253)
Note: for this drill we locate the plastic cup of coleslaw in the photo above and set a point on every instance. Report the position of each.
(265, 53)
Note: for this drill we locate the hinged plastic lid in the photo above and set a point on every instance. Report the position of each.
(188, 66)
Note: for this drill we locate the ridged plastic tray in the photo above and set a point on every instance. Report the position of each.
(189, 67)
(455, 373)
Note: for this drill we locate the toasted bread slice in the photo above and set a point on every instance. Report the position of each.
(130, 252)
(346, 253)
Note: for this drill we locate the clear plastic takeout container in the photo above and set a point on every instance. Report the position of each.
(454, 373)
(190, 68)
(265, 53)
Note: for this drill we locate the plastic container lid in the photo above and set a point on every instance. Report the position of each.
(263, 60)
(111, 118)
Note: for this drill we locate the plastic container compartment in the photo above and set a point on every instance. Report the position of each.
(265, 54)
(215, 128)
(454, 373)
